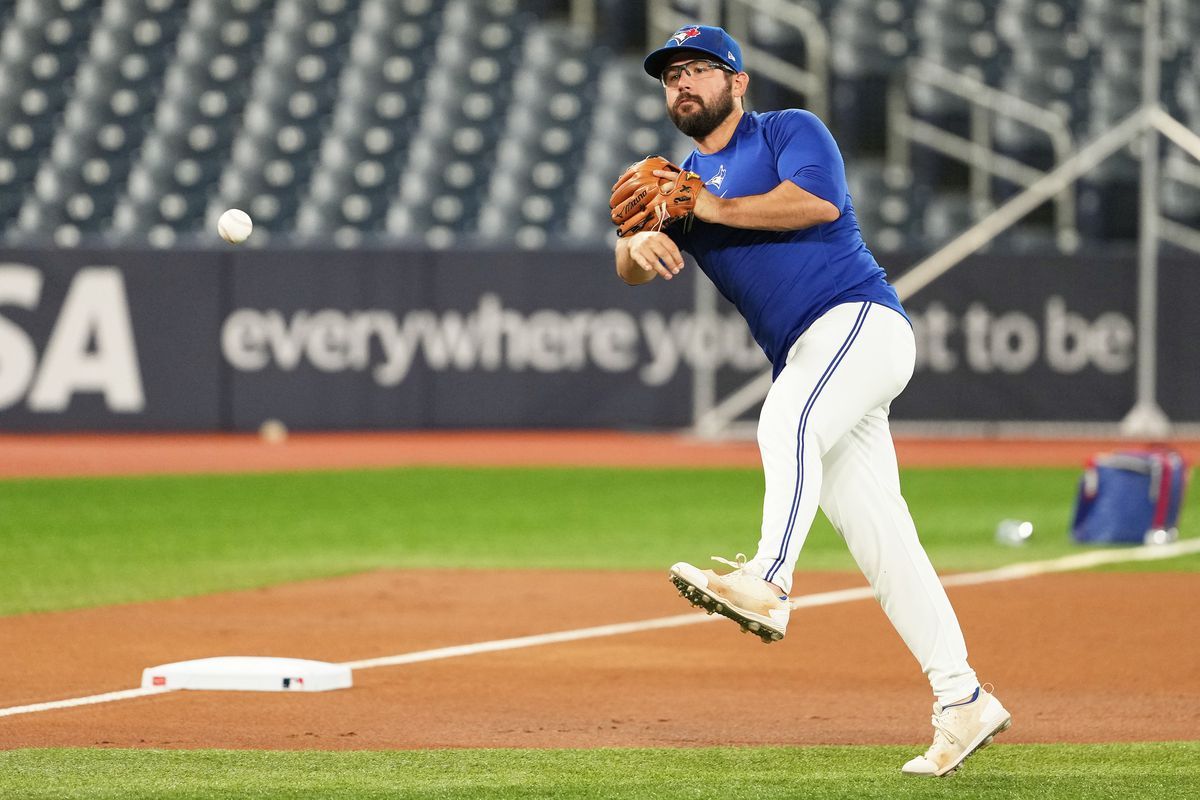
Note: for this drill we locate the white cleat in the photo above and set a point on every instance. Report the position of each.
(958, 731)
(746, 599)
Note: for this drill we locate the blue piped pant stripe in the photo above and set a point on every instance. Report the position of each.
(800, 443)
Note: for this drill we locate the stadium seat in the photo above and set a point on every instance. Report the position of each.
(885, 203)
(554, 94)
(42, 45)
(373, 120)
(293, 90)
(1049, 64)
(202, 98)
(438, 194)
(959, 35)
(103, 122)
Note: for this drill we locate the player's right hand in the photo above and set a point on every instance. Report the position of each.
(654, 251)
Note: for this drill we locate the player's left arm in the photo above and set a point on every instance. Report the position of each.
(812, 188)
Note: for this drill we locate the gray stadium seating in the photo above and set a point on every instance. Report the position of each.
(199, 110)
(441, 188)
(43, 42)
(293, 90)
(104, 120)
(373, 121)
(465, 122)
(532, 187)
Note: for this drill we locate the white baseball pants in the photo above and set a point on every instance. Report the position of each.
(825, 441)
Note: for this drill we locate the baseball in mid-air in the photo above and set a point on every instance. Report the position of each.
(234, 226)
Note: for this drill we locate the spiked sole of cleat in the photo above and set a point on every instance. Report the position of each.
(711, 605)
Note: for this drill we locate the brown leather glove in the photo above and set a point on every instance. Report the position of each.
(642, 200)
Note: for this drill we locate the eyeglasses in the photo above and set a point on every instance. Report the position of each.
(696, 69)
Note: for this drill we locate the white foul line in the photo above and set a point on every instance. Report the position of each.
(124, 694)
(1008, 573)
(528, 641)
(1099, 558)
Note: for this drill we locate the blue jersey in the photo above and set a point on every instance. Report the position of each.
(781, 282)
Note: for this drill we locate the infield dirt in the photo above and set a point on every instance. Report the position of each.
(1075, 657)
(1090, 657)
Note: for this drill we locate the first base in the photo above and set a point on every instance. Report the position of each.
(249, 674)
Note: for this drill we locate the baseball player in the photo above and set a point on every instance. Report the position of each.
(762, 206)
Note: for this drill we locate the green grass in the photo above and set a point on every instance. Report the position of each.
(83, 542)
(1049, 772)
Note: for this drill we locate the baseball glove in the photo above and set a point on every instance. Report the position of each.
(641, 200)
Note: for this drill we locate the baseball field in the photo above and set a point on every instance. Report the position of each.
(507, 599)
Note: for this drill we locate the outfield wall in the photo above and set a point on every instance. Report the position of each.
(225, 339)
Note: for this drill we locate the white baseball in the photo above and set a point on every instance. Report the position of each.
(234, 226)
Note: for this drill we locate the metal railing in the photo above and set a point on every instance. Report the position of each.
(1186, 172)
(986, 105)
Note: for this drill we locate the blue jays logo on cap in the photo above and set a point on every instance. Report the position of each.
(682, 35)
(707, 39)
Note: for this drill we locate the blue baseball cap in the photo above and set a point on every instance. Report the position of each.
(705, 39)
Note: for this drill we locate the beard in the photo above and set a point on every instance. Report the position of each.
(705, 119)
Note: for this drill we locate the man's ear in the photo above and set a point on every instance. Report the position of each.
(740, 82)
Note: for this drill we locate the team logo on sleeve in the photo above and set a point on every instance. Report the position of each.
(716, 180)
(682, 35)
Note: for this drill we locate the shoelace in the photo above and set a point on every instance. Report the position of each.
(941, 731)
(739, 565)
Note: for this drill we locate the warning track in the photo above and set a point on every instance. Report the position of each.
(132, 454)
